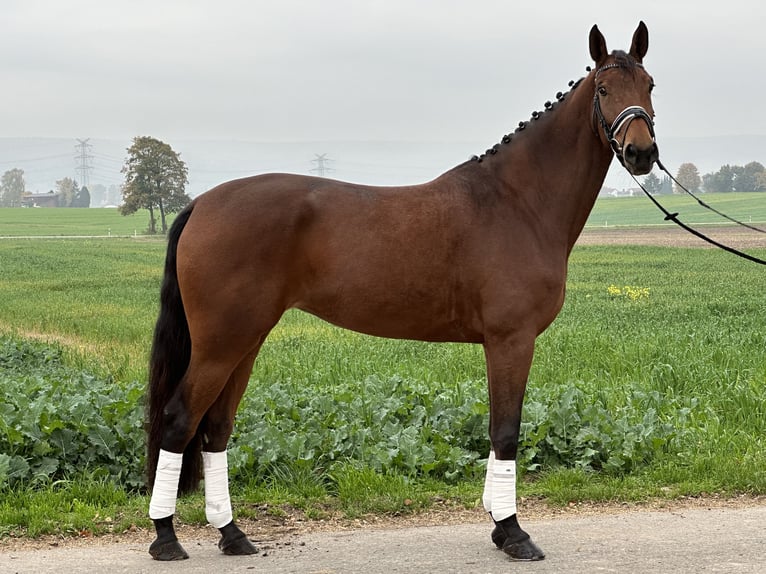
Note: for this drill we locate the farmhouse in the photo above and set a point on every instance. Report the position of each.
(49, 199)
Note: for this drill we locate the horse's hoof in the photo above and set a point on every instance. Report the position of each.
(499, 536)
(524, 550)
(167, 550)
(234, 542)
(239, 547)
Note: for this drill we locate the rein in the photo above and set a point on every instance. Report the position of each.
(705, 205)
(622, 122)
(674, 218)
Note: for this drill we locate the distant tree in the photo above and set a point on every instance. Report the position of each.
(722, 181)
(761, 179)
(114, 195)
(12, 188)
(67, 189)
(97, 194)
(155, 179)
(666, 186)
(689, 177)
(81, 198)
(747, 177)
(652, 183)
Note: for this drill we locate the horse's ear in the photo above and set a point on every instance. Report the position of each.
(640, 42)
(597, 45)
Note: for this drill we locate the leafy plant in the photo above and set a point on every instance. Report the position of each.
(56, 421)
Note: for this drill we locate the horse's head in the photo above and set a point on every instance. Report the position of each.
(623, 95)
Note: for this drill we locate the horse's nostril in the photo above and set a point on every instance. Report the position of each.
(630, 152)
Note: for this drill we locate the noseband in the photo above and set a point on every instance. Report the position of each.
(622, 121)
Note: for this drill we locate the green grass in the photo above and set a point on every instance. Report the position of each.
(638, 211)
(748, 207)
(97, 297)
(686, 352)
(19, 222)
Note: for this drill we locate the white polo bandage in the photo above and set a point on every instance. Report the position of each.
(217, 500)
(165, 490)
(486, 498)
(503, 489)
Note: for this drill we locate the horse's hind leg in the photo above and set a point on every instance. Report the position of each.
(216, 428)
(203, 406)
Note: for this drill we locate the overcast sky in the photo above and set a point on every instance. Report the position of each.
(371, 70)
(339, 70)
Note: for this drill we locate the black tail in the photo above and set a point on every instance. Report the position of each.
(171, 351)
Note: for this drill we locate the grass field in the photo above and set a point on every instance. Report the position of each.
(651, 383)
(625, 211)
(748, 207)
(17, 222)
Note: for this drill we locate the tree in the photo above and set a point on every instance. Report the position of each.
(67, 189)
(761, 180)
(666, 186)
(721, 181)
(689, 177)
(747, 177)
(81, 198)
(12, 188)
(652, 183)
(155, 178)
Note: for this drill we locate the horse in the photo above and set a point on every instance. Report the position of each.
(478, 255)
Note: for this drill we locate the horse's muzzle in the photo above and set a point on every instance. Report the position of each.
(639, 161)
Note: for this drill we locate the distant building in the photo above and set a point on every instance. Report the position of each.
(611, 192)
(49, 199)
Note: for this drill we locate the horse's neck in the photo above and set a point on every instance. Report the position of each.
(564, 163)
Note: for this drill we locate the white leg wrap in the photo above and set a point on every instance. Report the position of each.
(165, 490)
(217, 501)
(503, 489)
(486, 498)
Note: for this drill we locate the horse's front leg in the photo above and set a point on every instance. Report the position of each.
(508, 363)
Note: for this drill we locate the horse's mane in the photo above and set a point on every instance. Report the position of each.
(622, 59)
(550, 106)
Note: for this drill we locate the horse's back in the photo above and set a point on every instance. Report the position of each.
(381, 260)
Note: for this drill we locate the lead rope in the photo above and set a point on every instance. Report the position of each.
(674, 218)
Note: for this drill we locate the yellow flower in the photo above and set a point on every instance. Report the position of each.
(628, 292)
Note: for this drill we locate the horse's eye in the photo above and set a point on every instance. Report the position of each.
(651, 87)
(602, 91)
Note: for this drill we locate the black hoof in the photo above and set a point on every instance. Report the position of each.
(166, 546)
(167, 550)
(234, 542)
(525, 550)
(511, 539)
(498, 536)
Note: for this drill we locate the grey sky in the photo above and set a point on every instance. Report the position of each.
(340, 69)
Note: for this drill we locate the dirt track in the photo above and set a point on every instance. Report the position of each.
(673, 236)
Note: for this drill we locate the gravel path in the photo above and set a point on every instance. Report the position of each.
(682, 541)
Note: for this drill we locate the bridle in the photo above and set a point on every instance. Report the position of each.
(622, 121)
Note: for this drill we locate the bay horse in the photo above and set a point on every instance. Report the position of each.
(478, 255)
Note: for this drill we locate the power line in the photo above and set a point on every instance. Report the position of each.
(83, 158)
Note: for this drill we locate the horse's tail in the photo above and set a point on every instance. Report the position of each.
(171, 351)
